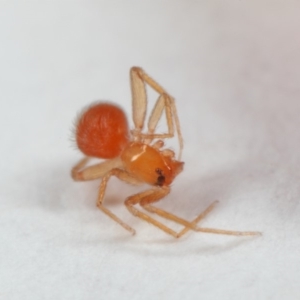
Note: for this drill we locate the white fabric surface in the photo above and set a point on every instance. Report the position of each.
(233, 67)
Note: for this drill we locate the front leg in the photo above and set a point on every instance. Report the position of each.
(193, 224)
(139, 79)
(155, 195)
(169, 216)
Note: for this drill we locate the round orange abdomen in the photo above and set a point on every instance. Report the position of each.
(102, 131)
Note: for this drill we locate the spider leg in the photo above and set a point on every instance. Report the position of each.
(228, 232)
(139, 100)
(145, 203)
(122, 175)
(154, 195)
(105, 170)
(199, 218)
(163, 102)
(165, 214)
(139, 79)
(158, 144)
(76, 169)
(192, 225)
(79, 173)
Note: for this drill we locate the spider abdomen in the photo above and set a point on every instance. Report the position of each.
(102, 131)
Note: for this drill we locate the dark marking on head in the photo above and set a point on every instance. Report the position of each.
(161, 178)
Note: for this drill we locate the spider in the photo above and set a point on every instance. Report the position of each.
(134, 156)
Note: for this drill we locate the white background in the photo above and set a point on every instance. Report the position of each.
(233, 67)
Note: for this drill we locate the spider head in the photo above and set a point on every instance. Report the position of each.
(150, 165)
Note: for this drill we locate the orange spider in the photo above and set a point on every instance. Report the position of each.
(136, 157)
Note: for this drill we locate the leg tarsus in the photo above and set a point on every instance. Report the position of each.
(229, 232)
(115, 218)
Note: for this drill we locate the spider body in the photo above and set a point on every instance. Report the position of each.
(135, 156)
(102, 132)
